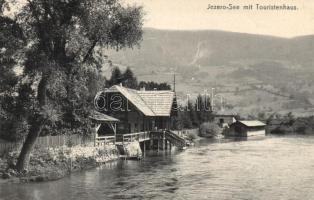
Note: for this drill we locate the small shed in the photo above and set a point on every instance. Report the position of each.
(224, 119)
(102, 119)
(247, 129)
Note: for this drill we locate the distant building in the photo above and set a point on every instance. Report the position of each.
(247, 129)
(224, 119)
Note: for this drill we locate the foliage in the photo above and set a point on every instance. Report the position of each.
(209, 129)
(13, 101)
(288, 123)
(191, 136)
(183, 120)
(128, 79)
(61, 58)
(203, 108)
(116, 77)
(151, 85)
(193, 114)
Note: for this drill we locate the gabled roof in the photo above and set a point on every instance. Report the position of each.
(134, 98)
(100, 117)
(252, 123)
(150, 103)
(160, 102)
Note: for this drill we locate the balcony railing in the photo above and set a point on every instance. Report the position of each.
(131, 137)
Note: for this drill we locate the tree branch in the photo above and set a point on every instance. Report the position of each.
(90, 50)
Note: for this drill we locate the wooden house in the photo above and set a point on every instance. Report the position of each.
(247, 129)
(138, 110)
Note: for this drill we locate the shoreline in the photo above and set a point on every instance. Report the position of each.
(50, 164)
(54, 164)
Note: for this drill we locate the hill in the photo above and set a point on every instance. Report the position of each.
(274, 74)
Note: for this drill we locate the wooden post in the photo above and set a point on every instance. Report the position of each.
(115, 133)
(151, 143)
(166, 145)
(144, 148)
(95, 138)
(47, 138)
(96, 133)
(163, 140)
(59, 141)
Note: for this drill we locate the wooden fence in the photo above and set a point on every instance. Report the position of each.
(48, 141)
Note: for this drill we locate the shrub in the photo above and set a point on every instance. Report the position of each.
(209, 129)
(191, 137)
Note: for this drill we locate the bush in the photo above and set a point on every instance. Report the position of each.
(191, 137)
(209, 129)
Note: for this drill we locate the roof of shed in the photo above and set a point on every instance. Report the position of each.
(101, 117)
(150, 103)
(252, 123)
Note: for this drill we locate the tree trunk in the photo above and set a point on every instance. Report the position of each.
(36, 126)
(23, 160)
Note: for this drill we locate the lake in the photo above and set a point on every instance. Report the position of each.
(267, 168)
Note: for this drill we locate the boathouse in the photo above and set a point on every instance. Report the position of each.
(137, 117)
(247, 129)
(139, 110)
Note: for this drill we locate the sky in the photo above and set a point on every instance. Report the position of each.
(193, 15)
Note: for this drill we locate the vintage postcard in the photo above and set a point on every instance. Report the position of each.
(156, 99)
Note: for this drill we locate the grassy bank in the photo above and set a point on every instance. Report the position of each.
(55, 163)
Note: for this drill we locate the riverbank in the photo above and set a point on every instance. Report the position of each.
(275, 167)
(55, 163)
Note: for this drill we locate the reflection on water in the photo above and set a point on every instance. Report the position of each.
(269, 168)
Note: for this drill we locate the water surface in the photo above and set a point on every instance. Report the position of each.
(269, 168)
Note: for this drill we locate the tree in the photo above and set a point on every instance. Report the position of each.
(65, 44)
(116, 77)
(289, 119)
(191, 111)
(203, 108)
(12, 123)
(261, 116)
(129, 80)
(151, 85)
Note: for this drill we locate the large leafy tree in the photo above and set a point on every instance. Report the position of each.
(65, 41)
(12, 123)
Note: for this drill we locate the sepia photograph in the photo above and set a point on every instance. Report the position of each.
(156, 99)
